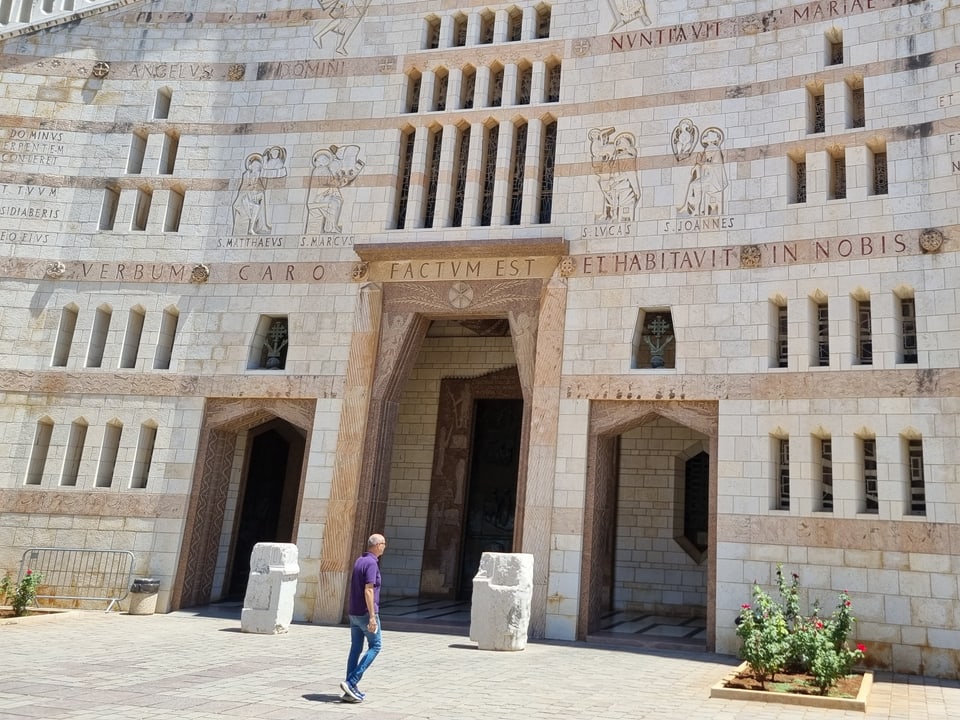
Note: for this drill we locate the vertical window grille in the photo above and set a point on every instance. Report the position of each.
(782, 329)
(138, 147)
(433, 177)
(864, 333)
(68, 326)
(546, 172)
(836, 52)
(131, 339)
(908, 330)
(858, 117)
(460, 171)
(839, 177)
(543, 22)
(406, 164)
(515, 26)
(168, 333)
(168, 154)
(918, 501)
(74, 454)
(468, 88)
(440, 91)
(525, 85)
(98, 337)
(489, 174)
(39, 452)
(413, 93)
(823, 335)
(108, 210)
(171, 221)
(108, 454)
(486, 28)
(460, 31)
(496, 87)
(144, 456)
(818, 115)
(783, 474)
(432, 41)
(826, 474)
(553, 83)
(801, 182)
(516, 185)
(880, 173)
(871, 494)
(141, 211)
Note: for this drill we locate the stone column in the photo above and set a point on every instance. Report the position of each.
(531, 171)
(538, 84)
(471, 195)
(473, 28)
(443, 208)
(481, 92)
(501, 189)
(501, 24)
(528, 30)
(509, 95)
(454, 82)
(418, 163)
(446, 31)
(428, 83)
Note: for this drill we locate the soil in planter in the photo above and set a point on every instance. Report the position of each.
(796, 683)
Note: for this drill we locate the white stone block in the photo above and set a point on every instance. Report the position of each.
(268, 603)
(502, 593)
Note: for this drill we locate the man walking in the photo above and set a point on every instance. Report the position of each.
(364, 620)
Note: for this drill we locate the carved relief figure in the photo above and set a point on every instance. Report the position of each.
(345, 16)
(619, 183)
(708, 179)
(684, 139)
(626, 11)
(333, 168)
(250, 204)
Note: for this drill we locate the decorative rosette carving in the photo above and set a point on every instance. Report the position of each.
(199, 274)
(55, 270)
(749, 256)
(931, 240)
(567, 267)
(360, 271)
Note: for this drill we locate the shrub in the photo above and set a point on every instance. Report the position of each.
(21, 594)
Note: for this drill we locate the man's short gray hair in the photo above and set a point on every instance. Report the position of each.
(375, 539)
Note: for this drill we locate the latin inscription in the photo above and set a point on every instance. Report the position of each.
(300, 69)
(17, 202)
(665, 36)
(322, 241)
(172, 71)
(252, 241)
(953, 144)
(462, 269)
(32, 147)
(834, 8)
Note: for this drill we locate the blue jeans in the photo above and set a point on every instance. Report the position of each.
(356, 665)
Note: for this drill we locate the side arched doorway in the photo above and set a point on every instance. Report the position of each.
(239, 495)
(650, 512)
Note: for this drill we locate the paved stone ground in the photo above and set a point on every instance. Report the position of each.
(93, 666)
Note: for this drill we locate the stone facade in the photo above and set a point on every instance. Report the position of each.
(263, 268)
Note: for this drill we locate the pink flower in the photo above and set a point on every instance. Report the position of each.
(819, 624)
(745, 606)
(29, 573)
(861, 647)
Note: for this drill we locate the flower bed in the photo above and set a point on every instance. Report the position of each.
(848, 693)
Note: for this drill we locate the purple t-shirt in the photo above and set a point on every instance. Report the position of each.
(366, 571)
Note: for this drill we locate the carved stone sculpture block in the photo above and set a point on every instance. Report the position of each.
(268, 603)
(502, 591)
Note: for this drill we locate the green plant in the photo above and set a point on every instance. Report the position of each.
(22, 594)
(776, 637)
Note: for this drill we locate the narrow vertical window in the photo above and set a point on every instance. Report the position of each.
(868, 448)
(141, 210)
(496, 86)
(98, 337)
(918, 498)
(74, 454)
(144, 456)
(171, 220)
(524, 84)
(440, 90)
(270, 344)
(432, 35)
(546, 172)
(822, 358)
(781, 342)
(826, 473)
(553, 82)
(168, 333)
(516, 173)
(406, 164)
(468, 87)
(65, 332)
(131, 338)
(486, 28)
(908, 331)
(161, 105)
(108, 453)
(460, 174)
(543, 22)
(879, 184)
(489, 173)
(783, 474)
(460, 30)
(838, 176)
(835, 46)
(856, 117)
(653, 343)
(414, 82)
(433, 176)
(108, 210)
(864, 333)
(138, 147)
(514, 25)
(800, 181)
(168, 153)
(39, 451)
(817, 114)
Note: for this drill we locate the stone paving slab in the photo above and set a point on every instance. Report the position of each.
(94, 666)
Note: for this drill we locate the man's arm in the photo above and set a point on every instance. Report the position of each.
(371, 610)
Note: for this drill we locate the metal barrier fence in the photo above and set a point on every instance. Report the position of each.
(79, 574)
